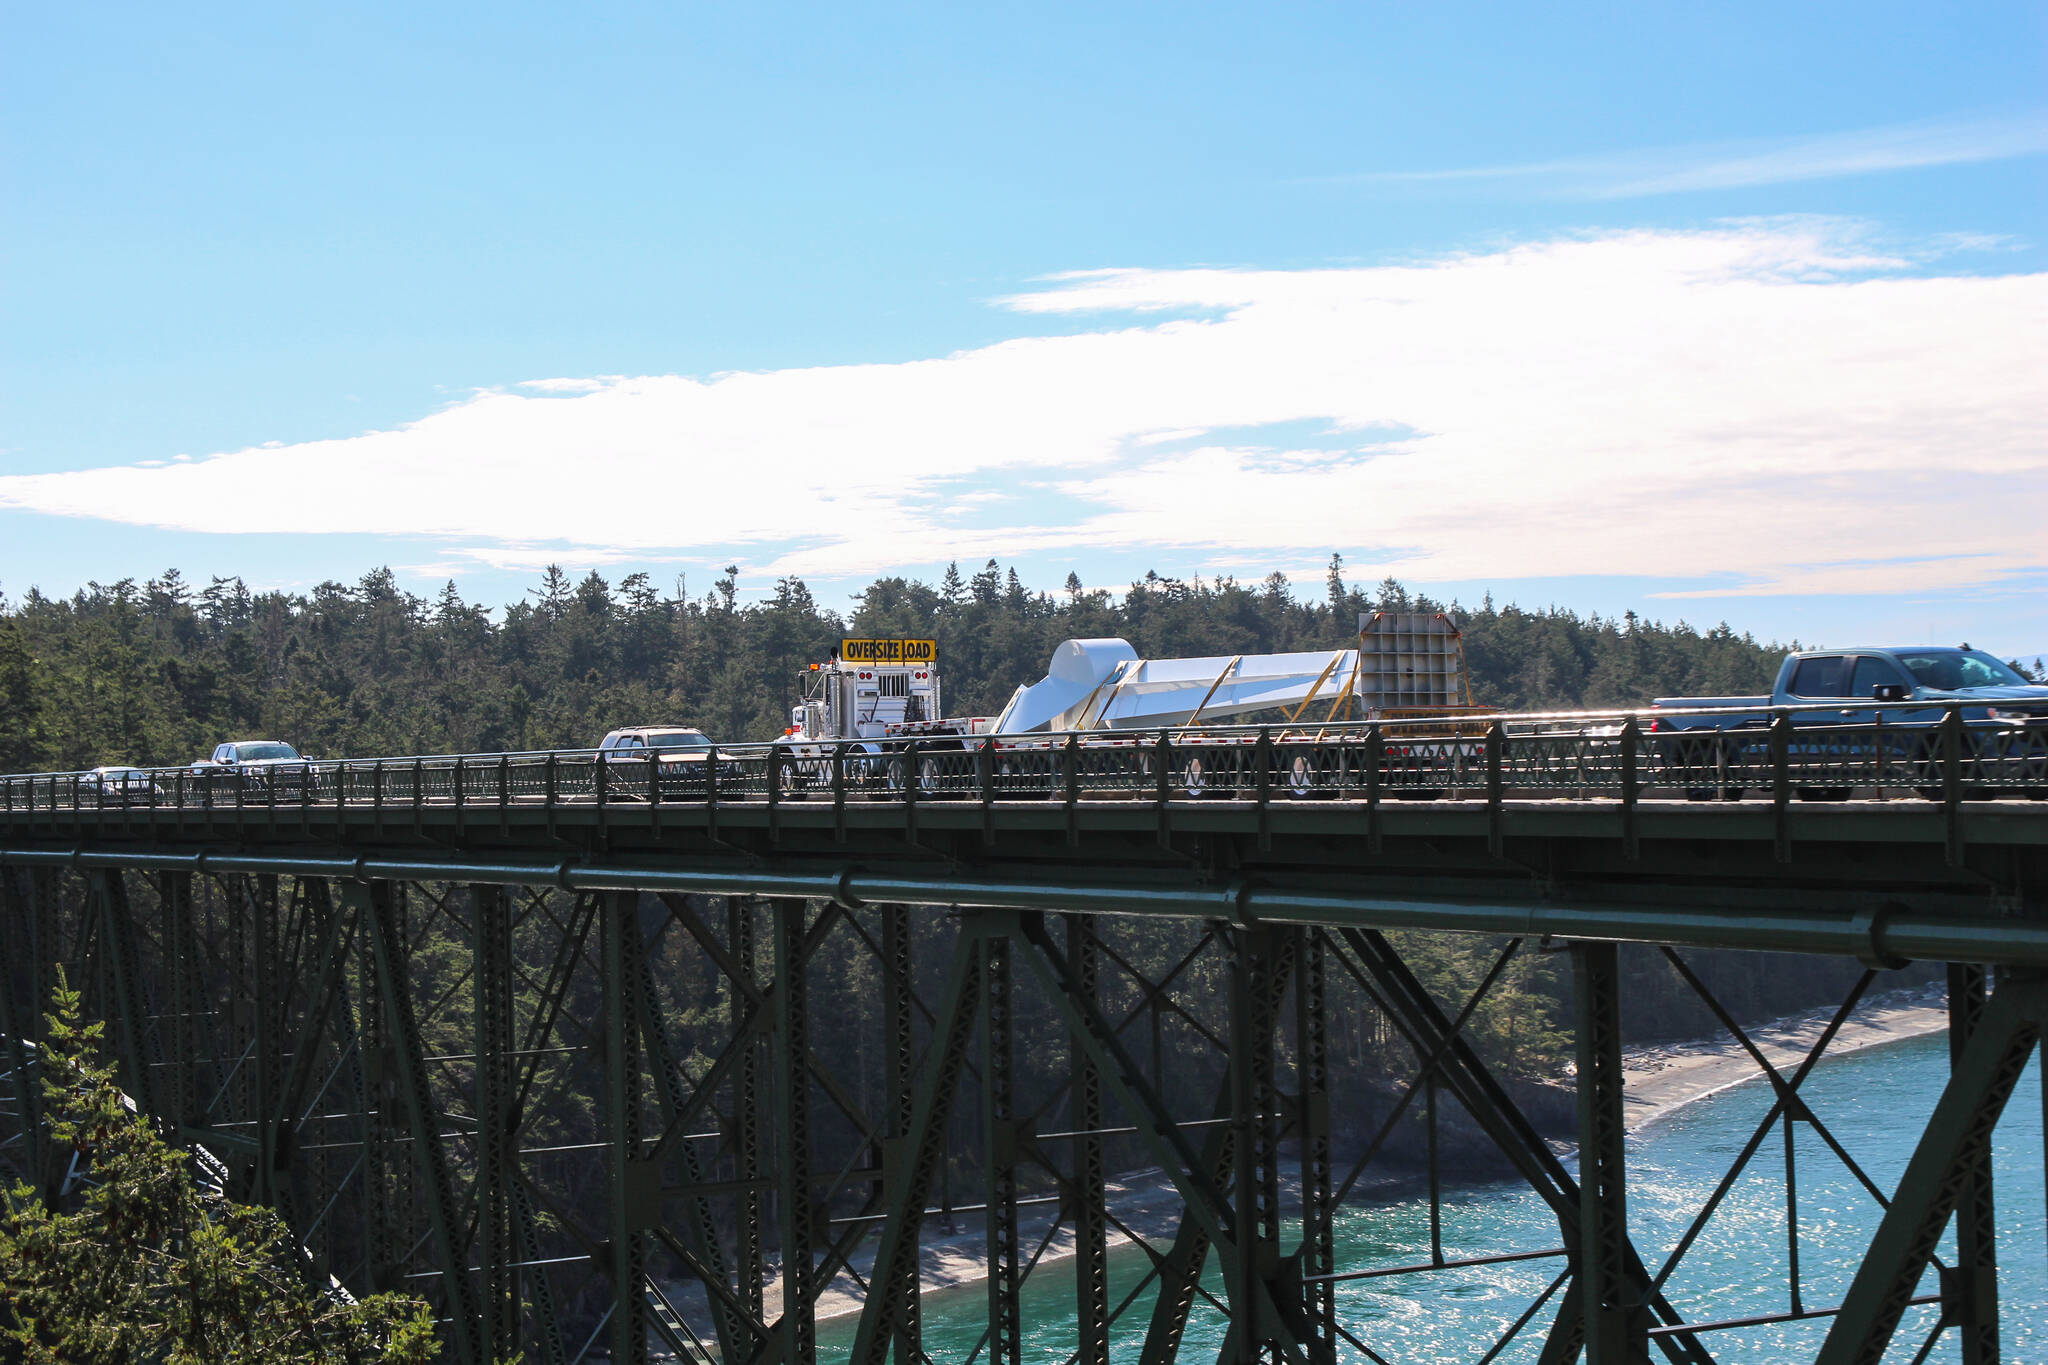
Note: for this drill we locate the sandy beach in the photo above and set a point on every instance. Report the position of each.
(1662, 1079)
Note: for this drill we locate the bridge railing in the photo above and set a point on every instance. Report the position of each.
(1813, 752)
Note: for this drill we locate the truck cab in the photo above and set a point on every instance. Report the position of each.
(868, 690)
(1894, 677)
(876, 697)
(1839, 698)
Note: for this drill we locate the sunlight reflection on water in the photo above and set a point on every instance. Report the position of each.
(1875, 1101)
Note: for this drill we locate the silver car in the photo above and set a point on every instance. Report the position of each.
(118, 785)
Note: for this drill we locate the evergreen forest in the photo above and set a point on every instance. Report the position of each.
(158, 672)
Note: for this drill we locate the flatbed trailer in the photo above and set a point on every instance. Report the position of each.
(871, 716)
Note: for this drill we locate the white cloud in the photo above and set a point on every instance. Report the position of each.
(1734, 165)
(1772, 401)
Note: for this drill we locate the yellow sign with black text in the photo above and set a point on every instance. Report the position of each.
(889, 651)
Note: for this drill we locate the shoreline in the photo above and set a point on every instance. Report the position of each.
(1661, 1080)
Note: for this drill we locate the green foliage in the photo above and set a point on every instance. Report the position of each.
(146, 1268)
(161, 673)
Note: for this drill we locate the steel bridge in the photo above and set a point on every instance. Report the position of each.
(567, 1048)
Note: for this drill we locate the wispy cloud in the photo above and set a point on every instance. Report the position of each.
(1736, 165)
(1770, 404)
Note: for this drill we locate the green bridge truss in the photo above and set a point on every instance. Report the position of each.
(536, 1040)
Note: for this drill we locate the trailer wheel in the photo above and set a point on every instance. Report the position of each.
(1301, 776)
(1194, 775)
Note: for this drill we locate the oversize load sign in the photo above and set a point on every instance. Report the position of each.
(889, 651)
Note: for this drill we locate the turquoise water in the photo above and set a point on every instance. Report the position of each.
(1874, 1101)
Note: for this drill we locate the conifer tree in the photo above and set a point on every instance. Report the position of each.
(146, 1268)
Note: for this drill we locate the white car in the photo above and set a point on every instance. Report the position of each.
(256, 765)
(677, 751)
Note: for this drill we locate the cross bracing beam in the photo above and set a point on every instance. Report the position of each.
(1942, 1172)
(548, 1022)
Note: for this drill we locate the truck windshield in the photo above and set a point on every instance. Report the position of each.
(1952, 669)
(679, 739)
(249, 751)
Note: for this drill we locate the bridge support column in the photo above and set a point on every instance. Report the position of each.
(1614, 1323)
(1318, 1253)
(1940, 1174)
(178, 1024)
(128, 1018)
(1255, 958)
(748, 1108)
(619, 927)
(375, 904)
(260, 895)
(1089, 1191)
(299, 1181)
(914, 1163)
(999, 1152)
(899, 1009)
(698, 1247)
(384, 1223)
(1972, 1291)
(1202, 1178)
(496, 1172)
(798, 1326)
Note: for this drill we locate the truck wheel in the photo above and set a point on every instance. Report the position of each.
(893, 777)
(931, 776)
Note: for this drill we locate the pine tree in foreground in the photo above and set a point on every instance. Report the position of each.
(147, 1268)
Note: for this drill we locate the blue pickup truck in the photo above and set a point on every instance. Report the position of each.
(1864, 714)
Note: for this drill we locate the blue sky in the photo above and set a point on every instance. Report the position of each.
(1729, 311)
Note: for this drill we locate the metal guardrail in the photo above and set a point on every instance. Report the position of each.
(1801, 752)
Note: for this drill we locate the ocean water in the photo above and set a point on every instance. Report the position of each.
(1874, 1101)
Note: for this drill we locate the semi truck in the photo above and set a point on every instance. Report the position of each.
(881, 698)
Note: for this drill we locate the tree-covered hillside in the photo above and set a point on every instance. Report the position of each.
(160, 672)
